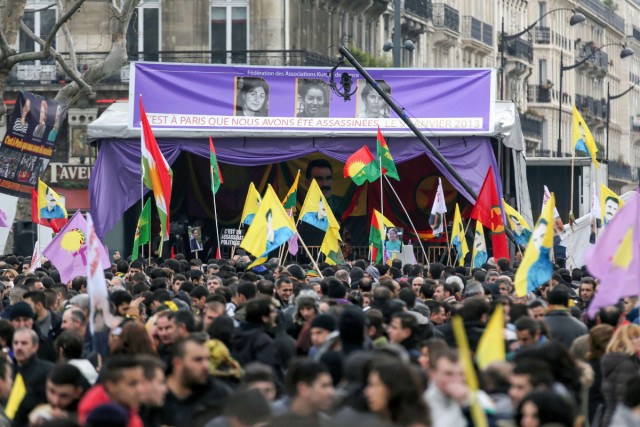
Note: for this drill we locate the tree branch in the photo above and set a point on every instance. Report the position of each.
(68, 14)
(71, 71)
(70, 44)
(5, 49)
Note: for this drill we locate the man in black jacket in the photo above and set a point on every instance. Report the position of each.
(32, 371)
(194, 397)
(563, 327)
(474, 314)
(252, 341)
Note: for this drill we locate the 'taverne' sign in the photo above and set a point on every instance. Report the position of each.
(67, 172)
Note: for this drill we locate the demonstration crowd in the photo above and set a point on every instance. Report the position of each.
(218, 344)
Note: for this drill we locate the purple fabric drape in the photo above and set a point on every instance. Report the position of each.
(115, 179)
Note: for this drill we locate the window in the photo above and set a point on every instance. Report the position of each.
(143, 36)
(542, 9)
(229, 31)
(41, 23)
(542, 71)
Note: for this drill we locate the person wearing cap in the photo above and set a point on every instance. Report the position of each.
(22, 316)
(31, 369)
(321, 326)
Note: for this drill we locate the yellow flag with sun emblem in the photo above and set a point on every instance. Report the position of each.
(68, 250)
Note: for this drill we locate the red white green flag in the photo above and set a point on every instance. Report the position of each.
(377, 234)
(384, 156)
(157, 175)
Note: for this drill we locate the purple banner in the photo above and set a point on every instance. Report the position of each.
(263, 100)
(27, 146)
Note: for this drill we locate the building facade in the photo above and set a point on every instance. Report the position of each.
(452, 34)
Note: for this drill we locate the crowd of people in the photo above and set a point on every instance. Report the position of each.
(218, 344)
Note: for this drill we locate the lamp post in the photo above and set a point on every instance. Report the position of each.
(576, 18)
(625, 52)
(396, 44)
(609, 99)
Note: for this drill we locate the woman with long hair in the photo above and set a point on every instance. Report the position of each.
(620, 359)
(395, 395)
(541, 408)
(253, 98)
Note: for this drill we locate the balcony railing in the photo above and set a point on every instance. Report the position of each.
(421, 8)
(603, 12)
(472, 28)
(520, 48)
(487, 34)
(445, 16)
(592, 107)
(531, 126)
(620, 171)
(599, 59)
(24, 74)
(542, 35)
(538, 93)
(635, 123)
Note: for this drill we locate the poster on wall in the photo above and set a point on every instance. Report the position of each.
(255, 100)
(26, 149)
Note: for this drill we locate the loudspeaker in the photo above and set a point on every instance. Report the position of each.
(24, 238)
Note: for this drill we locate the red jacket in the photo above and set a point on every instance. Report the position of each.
(97, 396)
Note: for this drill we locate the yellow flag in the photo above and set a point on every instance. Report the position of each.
(271, 227)
(478, 416)
(491, 346)
(331, 247)
(50, 204)
(458, 239)
(610, 204)
(582, 138)
(316, 211)
(251, 205)
(536, 267)
(18, 392)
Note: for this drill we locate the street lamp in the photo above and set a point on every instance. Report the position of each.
(609, 99)
(396, 44)
(625, 52)
(576, 18)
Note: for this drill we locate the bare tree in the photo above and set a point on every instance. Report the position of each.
(11, 14)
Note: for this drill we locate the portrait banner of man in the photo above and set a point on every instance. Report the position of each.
(195, 239)
(26, 148)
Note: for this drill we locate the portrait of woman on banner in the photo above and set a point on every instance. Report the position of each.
(252, 99)
(370, 103)
(312, 99)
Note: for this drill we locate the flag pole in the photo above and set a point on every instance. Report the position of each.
(409, 218)
(233, 248)
(446, 234)
(215, 215)
(315, 264)
(571, 216)
(381, 191)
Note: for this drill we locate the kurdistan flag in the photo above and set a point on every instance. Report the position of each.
(157, 175)
(377, 235)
